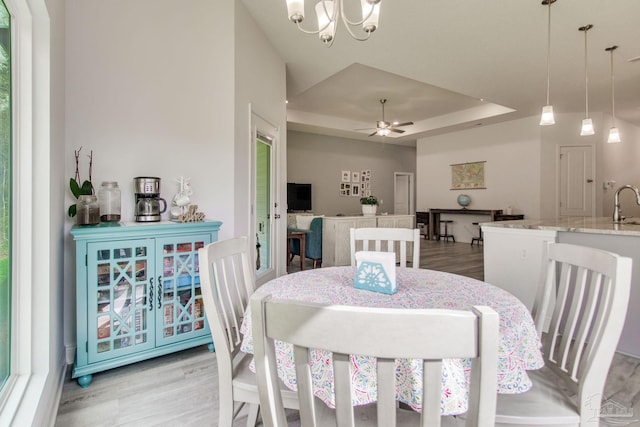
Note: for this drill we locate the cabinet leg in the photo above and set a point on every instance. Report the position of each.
(85, 380)
(211, 347)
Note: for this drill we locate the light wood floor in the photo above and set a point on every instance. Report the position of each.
(181, 389)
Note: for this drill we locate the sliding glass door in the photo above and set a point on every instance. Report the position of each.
(5, 194)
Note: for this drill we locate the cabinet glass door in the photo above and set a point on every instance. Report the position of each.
(180, 307)
(119, 289)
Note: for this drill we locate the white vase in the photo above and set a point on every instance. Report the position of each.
(369, 210)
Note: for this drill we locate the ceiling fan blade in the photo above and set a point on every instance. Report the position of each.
(365, 129)
(396, 130)
(404, 124)
(374, 133)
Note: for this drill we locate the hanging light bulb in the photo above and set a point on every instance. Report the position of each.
(329, 12)
(614, 134)
(547, 111)
(587, 124)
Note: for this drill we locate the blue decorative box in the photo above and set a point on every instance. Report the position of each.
(376, 271)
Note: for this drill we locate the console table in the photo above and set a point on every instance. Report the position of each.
(434, 217)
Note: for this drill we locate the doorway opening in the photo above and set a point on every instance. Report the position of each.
(403, 193)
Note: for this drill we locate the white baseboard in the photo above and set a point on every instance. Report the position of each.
(50, 411)
(70, 354)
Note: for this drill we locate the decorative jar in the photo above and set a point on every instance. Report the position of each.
(87, 210)
(109, 198)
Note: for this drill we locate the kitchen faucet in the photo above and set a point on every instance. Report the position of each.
(616, 202)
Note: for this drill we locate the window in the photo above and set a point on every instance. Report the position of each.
(5, 193)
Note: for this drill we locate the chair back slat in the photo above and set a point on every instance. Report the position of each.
(431, 374)
(587, 320)
(305, 385)
(342, 386)
(402, 241)
(383, 333)
(386, 377)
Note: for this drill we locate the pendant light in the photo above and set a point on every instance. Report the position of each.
(547, 111)
(614, 134)
(587, 124)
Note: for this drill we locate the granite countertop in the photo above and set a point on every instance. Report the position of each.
(599, 225)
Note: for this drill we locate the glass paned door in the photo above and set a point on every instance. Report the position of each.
(263, 204)
(120, 293)
(179, 299)
(5, 194)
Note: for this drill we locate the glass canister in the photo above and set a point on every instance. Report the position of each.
(109, 198)
(87, 210)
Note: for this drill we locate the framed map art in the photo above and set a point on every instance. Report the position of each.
(467, 176)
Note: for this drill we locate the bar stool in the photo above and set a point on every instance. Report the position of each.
(477, 239)
(446, 234)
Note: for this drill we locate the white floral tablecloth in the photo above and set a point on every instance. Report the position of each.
(417, 288)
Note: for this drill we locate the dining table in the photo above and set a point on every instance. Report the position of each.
(519, 344)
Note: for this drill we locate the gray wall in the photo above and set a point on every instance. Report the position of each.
(319, 160)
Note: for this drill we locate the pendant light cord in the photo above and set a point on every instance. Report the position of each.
(613, 103)
(548, 49)
(586, 78)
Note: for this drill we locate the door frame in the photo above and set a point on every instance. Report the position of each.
(412, 190)
(263, 126)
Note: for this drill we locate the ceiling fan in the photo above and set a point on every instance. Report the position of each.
(384, 128)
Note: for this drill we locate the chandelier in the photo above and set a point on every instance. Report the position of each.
(329, 12)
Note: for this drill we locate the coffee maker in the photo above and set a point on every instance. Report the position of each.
(148, 200)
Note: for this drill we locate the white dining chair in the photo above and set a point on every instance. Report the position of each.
(387, 240)
(586, 291)
(227, 281)
(384, 333)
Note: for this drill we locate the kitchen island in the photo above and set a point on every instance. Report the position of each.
(513, 258)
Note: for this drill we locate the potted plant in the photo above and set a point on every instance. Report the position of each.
(78, 187)
(369, 205)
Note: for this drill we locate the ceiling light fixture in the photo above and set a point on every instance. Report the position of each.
(614, 134)
(587, 124)
(331, 11)
(547, 111)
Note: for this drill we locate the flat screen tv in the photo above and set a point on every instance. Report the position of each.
(298, 197)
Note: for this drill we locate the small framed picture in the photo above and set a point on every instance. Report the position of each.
(346, 176)
(355, 190)
(355, 176)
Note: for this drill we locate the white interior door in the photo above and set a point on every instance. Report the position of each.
(577, 187)
(403, 202)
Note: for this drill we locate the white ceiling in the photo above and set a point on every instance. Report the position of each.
(451, 64)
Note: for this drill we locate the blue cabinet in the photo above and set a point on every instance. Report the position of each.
(138, 292)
